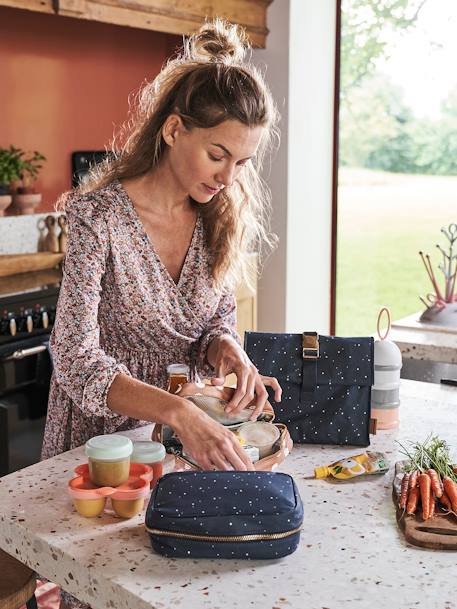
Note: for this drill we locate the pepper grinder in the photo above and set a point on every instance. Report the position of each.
(51, 242)
(41, 238)
(63, 237)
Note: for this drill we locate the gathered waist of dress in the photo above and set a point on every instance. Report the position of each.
(153, 355)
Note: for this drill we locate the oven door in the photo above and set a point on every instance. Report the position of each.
(25, 373)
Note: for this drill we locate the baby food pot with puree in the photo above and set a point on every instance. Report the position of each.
(149, 453)
(109, 459)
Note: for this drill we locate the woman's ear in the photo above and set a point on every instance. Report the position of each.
(172, 128)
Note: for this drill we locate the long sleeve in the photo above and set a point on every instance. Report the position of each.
(223, 322)
(82, 368)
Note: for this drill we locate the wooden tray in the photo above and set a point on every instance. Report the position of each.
(438, 533)
(11, 264)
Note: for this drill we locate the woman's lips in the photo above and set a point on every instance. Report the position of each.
(213, 191)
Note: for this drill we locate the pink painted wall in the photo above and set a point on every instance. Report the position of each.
(64, 84)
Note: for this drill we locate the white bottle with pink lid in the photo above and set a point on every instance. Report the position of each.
(385, 393)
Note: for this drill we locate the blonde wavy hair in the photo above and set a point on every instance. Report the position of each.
(208, 82)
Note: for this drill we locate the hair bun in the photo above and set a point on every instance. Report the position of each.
(218, 41)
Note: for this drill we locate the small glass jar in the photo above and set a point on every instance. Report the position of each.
(152, 454)
(109, 459)
(178, 374)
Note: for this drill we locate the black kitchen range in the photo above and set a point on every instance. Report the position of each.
(27, 311)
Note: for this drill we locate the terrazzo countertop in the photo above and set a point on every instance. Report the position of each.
(418, 340)
(351, 553)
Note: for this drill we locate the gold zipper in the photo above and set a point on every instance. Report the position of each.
(253, 537)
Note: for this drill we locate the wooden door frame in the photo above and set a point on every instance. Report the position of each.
(336, 112)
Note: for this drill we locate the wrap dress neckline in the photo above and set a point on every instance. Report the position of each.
(142, 230)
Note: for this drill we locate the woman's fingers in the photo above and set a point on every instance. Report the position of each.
(230, 456)
(271, 381)
(239, 458)
(260, 400)
(252, 389)
(220, 463)
(242, 379)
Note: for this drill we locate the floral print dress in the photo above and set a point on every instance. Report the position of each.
(119, 311)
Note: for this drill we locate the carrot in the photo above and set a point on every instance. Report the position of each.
(454, 469)
(445, 501)
(451, 491)
(432, 506)
(404, 491)
(413, 498)
(436, 486)
(413, 479)
(425, 486)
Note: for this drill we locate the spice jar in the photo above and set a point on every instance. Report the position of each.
(109, 459)
(152, 454)
(178, 374)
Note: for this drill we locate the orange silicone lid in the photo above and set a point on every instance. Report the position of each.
(137, 486)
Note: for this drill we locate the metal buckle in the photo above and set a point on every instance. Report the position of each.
(310, 345)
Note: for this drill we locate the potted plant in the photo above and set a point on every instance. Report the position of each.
(26, 198)
(9, 172)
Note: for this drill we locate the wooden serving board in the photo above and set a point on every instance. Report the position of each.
(12, 264)
(438, 533)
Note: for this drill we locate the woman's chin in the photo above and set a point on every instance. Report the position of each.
(199, 197)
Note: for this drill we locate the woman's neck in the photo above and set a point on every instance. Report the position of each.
(160, 186)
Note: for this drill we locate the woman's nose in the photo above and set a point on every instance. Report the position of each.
(226, 176)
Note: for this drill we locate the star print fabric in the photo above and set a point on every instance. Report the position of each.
(242, 515)
(324, 401)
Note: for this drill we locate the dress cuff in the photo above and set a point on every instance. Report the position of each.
(203, 367)
(96, 393)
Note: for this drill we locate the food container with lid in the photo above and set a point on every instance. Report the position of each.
(261, 435)
(127, 499)
(109, 459)
(152, 454)
(178, 374)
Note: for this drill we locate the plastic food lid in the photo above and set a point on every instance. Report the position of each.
(178, 369)
(147, 452)
(109, 448)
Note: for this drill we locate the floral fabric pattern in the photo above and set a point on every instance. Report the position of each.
(119, 311)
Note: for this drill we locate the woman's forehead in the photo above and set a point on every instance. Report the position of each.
(233, 138)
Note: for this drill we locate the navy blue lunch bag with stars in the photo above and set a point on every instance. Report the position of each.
(326, 384)
(225, 514)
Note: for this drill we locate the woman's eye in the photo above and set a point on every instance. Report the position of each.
(214, 158)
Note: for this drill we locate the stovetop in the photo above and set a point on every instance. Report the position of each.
(27, 304)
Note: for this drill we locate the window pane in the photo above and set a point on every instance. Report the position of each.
(397, 178)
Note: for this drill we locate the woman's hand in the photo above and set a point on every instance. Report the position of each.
(209, 443)
(228, 357)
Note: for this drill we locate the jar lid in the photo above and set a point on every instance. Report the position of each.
(147, 452)
(109, 448)
(178, 369)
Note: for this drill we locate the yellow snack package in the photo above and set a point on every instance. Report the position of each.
(368, 462)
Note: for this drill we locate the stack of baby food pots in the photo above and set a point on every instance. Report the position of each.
(116, 469)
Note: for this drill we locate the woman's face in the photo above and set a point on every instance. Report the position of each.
(203, 161)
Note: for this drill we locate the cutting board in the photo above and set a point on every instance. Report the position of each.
(438, 533)
(12, 264)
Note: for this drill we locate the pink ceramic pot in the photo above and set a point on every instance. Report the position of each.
(5, 201)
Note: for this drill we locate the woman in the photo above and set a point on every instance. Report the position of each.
(158, 237)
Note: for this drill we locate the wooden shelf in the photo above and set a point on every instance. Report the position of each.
(183, 17)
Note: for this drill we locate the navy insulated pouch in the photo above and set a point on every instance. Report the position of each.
(326, 384)
(225, 514)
